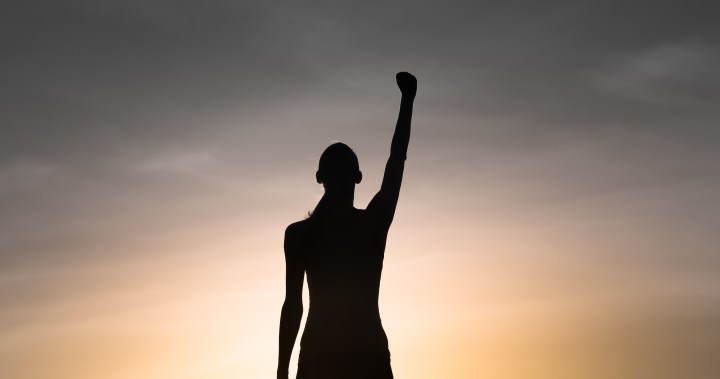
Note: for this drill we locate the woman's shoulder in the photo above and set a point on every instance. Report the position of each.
(294, 236)
(296, 228)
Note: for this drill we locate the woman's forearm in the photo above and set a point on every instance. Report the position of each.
(401, 137)
(290, 317)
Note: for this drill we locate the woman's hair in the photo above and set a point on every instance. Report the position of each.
(338, 166)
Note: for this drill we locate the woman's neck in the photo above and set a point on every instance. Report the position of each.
(335, 203)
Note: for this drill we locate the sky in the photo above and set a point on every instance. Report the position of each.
(558, 217)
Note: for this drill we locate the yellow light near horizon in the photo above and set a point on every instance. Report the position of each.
(464, 298)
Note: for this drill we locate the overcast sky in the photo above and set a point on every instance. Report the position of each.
(559, 213)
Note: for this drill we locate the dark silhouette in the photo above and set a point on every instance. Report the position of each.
(341, 249)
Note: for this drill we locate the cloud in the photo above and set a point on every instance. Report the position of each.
(179, 161)
(676, 75)
(23, 174)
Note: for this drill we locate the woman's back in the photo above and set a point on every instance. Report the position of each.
(343, 261)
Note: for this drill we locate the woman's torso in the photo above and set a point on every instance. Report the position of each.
(343, 262)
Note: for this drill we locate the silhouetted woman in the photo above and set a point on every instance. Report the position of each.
(341, 249)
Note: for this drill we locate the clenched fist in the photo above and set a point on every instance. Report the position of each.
(407, 83)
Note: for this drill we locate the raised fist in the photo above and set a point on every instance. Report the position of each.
(407, 83)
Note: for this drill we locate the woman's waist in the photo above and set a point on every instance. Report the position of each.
(344, 322)
(333, 337)
(309, 353)
(344, 319)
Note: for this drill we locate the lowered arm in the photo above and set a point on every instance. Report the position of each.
(292, 308)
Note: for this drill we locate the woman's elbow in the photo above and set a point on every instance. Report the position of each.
(293, 305)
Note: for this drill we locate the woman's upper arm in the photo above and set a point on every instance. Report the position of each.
(383, 204)
(294, 266)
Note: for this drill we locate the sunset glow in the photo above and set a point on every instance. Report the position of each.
(558, 217)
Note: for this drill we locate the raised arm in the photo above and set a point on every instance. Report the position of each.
(385, 201)
(292, 308)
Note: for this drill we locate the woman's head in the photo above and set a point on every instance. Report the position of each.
(338, 167)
